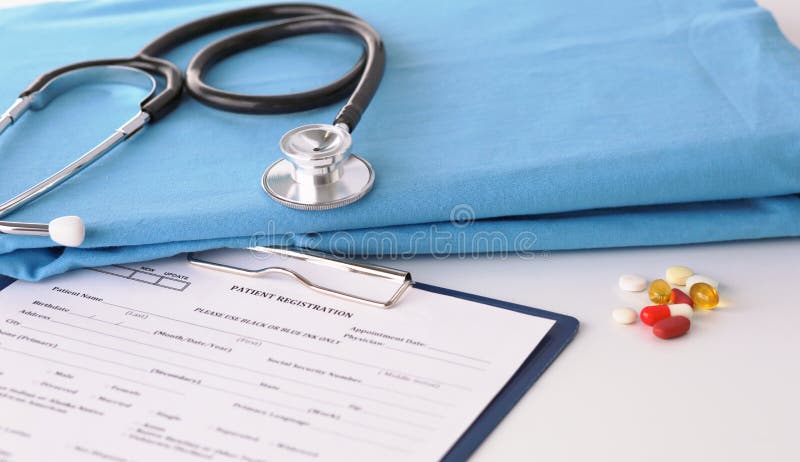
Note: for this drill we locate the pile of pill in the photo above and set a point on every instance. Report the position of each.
(671, 314)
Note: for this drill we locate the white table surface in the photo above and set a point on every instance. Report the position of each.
(729, 390)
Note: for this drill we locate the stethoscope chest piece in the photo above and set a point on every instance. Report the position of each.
(318, 172)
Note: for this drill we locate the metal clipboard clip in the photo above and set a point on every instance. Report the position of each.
(254, 262)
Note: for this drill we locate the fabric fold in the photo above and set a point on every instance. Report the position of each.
(585, 124)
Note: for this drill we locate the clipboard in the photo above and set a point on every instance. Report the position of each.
(559, 336)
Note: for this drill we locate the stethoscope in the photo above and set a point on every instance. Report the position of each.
(318, 171)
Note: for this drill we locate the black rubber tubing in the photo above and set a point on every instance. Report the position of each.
(288, 20)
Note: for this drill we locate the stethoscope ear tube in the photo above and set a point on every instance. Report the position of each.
(156, 104)
(69, 230)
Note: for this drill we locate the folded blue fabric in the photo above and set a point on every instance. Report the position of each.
(553, 124)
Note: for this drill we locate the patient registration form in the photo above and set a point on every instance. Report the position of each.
(163, 361)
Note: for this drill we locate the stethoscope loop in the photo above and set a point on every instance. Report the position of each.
(205, 59)
(318, 171)
(311, 178)
(360, 81)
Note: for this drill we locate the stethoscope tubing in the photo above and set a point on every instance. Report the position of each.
(289, 20)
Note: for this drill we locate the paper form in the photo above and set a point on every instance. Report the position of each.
(164, 361)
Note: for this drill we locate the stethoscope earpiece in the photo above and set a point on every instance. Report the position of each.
(70, 231)
(318, 171)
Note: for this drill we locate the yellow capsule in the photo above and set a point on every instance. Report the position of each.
(704, 296)
(659, 291)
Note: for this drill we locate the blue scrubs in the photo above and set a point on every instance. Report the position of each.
(534, 125)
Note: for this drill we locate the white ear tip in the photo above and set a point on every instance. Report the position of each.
(68, 231)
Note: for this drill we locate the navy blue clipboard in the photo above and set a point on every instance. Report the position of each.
(554, 342)
(559, 336)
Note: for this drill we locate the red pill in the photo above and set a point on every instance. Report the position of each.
(652, 314)
(679, 296)
(672, 327)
